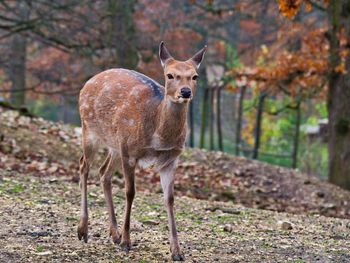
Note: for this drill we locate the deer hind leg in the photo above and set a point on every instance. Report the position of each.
(128, 165)
(167, 181)
(89, 150)
(106, 172)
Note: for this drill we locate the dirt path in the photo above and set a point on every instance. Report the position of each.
(38, 218)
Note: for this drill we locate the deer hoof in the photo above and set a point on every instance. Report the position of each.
(178, 257)
(83, 233)
(125, 245)
(116, 237)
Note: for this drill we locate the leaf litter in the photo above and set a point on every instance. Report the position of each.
(44, 148)
(40, 198)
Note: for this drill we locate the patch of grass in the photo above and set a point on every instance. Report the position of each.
(197, 221)
(155, 206)
(216, 228)
(266, 245)
(39, 248)
(71, 219)
(17, 188)
(144, 218)
(222, 219)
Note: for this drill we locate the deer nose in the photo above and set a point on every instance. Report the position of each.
(186, 92)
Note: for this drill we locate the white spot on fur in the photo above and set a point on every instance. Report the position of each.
(135, 91)
(132, 161)
(92, 136)
(107, 86)
(85, 106)
(91, 114)
(146, 162)
(155, 141)
(131, 122)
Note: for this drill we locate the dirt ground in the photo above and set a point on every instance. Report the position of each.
(40, 203)
(43, 148)
(39, 216)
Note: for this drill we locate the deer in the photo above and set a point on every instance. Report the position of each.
(141, 123)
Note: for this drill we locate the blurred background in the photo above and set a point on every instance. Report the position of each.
(263, 87)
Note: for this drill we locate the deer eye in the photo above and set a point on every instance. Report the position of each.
(170, 76)
(195, 77)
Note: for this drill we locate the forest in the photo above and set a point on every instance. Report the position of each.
(268, 130)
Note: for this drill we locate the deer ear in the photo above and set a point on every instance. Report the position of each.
(198, 57)
(164, 54)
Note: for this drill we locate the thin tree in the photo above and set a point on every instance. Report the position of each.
(296, 135)
(204, 117)
(240, 118)
(211, 118)
(259, 117)
(218, 117)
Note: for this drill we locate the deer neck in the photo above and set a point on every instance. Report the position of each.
(172, 123)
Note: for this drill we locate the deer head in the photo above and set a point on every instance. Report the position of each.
(180, 76)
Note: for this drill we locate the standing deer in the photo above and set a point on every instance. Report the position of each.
(141, 123)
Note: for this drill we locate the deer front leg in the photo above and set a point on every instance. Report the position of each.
(167, 182)
(84, 173)
(83, 224)
(129, 177)
(89, 150)
(106, 172)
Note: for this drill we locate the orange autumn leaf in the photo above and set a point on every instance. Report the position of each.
(289, 8)
(308, 6)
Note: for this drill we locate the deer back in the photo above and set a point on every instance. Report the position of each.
(120, 105)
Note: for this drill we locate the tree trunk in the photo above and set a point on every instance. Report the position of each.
(211, 119)
(122, 33)
(258, 125)
(338, 99)
(296, 136)
(191, 126)
(17, 70)
(17, 65)
(218, 118)
(239, 118)
(204, 117)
